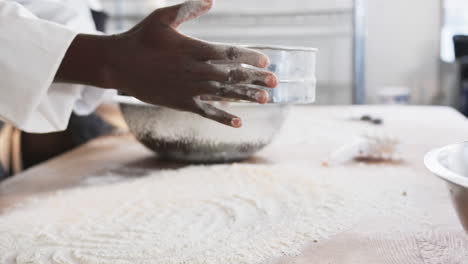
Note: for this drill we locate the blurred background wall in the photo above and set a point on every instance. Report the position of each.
(403, 47)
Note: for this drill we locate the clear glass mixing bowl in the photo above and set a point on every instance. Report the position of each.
(295, 69)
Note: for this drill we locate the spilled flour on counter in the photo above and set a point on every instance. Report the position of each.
(217, 214)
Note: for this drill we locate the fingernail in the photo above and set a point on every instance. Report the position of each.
(271, 81)
(208, 3)
(261, 97)
(236, 122)
(264, 62)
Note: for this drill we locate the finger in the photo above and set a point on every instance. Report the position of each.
(225, 54)
(239, 92)
(218, 99)
(178, 14)
(234, 75)
(231, 74)
(211, 98)
(208, 111)
(206, 71)
(250, 94)
(242, 75)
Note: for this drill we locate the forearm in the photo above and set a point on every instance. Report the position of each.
(87, 62)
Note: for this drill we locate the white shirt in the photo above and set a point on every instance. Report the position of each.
(34, 37)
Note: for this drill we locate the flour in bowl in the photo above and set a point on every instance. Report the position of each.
(220, 214)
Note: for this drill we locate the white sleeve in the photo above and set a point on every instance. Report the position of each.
(75, 15)
(31, 51)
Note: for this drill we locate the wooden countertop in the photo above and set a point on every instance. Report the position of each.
(310, 134)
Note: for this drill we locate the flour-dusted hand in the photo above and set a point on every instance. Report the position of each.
(157, 64)
(181, 69)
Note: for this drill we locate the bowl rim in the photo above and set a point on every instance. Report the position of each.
(279, 47)
(130, 100)
(432, 163)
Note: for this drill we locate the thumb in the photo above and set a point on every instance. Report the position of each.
(174, 16)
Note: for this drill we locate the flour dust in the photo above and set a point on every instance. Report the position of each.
(217, 214)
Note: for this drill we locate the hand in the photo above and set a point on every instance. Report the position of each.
(157, 64)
